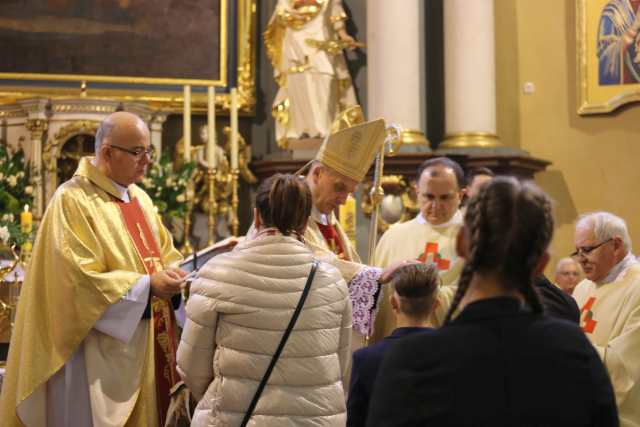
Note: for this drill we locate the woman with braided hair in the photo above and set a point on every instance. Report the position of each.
(498, 360)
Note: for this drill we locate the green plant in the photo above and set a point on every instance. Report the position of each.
(15, 192)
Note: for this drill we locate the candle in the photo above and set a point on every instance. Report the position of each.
(234, 128)
(26, 220)
(348, 219)
(186, 123)
(211, 127)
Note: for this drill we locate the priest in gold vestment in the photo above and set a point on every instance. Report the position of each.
(429, 237)
(609, 301)
(93, 333)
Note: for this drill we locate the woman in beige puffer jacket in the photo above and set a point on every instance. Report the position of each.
(238, 310)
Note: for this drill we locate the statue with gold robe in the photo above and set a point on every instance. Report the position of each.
(305, 41)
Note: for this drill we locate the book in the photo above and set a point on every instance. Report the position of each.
(196, 260)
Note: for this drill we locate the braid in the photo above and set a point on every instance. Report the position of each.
(538, 246)
(509, 226)
(475, 217)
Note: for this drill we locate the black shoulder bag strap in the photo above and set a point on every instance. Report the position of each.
(283, 341)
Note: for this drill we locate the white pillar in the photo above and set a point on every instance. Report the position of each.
(395, 66)
(470, 74)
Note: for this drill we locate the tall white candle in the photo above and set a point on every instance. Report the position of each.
(186, 123)
(211, 127)
(234, 128)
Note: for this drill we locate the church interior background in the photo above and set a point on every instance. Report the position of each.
(492, 83)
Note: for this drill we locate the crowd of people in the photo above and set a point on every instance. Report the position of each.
(469, 330)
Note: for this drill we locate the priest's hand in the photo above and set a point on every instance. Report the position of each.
(167, 283)
(391, 268)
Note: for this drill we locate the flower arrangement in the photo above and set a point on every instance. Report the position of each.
(15, 192)
(168, 187)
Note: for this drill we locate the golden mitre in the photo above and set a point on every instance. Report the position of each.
(351, 149)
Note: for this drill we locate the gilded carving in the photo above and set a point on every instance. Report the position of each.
(399, 202)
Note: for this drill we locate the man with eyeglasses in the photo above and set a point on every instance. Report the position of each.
(567, 274)
(94, 338)
(609, 301)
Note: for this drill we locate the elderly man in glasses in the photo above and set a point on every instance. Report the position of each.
(94, 340)
(609, 300)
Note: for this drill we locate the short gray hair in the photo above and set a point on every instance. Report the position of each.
(606, 226)
(565, 261)
(104, 131)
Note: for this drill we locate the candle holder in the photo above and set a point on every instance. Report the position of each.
(186, 247)
(234, 201)
(213, 206)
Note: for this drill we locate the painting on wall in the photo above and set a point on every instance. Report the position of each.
(608, 35)
(133, 50)
(145, 41)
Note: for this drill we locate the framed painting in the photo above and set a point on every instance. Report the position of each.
(135, 50)
(608, 36)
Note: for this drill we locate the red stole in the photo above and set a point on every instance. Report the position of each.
(164, 336)
(333, 239)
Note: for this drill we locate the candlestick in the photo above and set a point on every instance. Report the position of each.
(186, 123)
(234, 202)
(234, 129)
(186, 247)
(211, 127)
(26, 220)
(213, 206)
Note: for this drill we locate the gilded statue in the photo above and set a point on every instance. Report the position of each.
(305, 40)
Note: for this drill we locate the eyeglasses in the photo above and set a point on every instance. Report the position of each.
(137, 152)
(586, 250)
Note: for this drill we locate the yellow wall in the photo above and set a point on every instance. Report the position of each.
(596, 159)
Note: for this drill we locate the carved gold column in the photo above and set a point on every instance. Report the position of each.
(470, 75)
(37, 128)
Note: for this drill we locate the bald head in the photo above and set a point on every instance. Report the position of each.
(116, 125)
(122, 144)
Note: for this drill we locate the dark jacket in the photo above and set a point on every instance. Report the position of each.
(366, 362)
(496, 365)
(556, 303)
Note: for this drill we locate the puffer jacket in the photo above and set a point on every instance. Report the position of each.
(238, 310)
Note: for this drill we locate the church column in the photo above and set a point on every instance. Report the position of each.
(395, 66)
(470, 76)
(37, 128)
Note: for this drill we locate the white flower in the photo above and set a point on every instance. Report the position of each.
(146, 182)
(169, 181)
(28, 190)
(21, 174)
(1, 175)
(5, 217)
(180, 198)
(12, 180)
(4, 234)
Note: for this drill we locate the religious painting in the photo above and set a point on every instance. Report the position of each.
(112, 40)
(142, 50)
(608, 54)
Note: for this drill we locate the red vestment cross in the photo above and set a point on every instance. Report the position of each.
(432, 248)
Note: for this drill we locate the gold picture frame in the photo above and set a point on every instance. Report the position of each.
(149, 90)
(608, 55)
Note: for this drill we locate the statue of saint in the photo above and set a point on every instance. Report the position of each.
(305, 40)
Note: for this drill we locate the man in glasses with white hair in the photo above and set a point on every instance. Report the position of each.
(609, 301)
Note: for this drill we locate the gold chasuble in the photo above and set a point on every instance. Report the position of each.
(610, 317)
(342, 255)
(84, 260)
